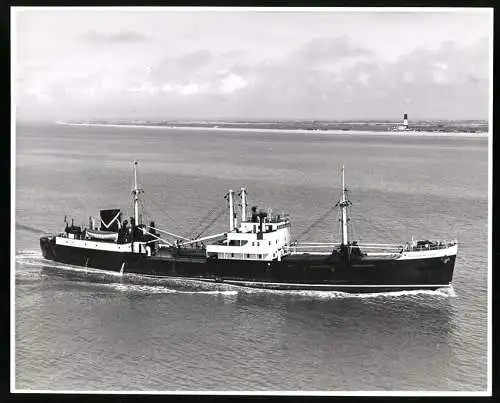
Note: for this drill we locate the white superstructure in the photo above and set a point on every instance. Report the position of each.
(261, 237)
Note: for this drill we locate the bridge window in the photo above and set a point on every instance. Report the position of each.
(260, 256)
(237, 242)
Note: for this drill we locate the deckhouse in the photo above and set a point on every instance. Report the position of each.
(261, 236)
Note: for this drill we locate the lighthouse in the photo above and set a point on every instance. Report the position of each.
(404, 126)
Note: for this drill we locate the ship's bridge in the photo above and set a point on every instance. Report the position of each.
(262, 237)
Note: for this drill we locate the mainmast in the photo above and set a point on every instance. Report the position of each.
(136, 191)
(343, 204)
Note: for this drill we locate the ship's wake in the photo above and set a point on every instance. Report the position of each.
(39, 269)
(137, 283)
(445, 292)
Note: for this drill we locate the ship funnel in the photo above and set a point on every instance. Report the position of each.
(111, 220)
(405, 120)
(254, 214)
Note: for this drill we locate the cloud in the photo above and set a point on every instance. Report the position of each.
(447, 82)
(120, 37)
(331, 49)
(194, 60)
(190, 89)
(148, 88)
(326, 78)
(232, 83)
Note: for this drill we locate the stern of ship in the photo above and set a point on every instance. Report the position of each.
(47, 244)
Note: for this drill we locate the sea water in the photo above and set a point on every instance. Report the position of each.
(84, 329)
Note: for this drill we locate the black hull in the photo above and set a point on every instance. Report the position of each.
(296, 272)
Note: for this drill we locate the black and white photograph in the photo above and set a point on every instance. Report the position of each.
(276, 201)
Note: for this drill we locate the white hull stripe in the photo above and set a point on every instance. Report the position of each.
(423, 254)
(93, 245)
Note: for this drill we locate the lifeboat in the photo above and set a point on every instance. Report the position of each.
(102, 235)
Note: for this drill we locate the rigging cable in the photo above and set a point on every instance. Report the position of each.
(147, 217)
(203, 220)
(350, 223)
(353, 232)
(211, 222)
(316, 222)
(163, 211)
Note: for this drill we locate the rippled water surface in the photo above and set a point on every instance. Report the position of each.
(79, 329)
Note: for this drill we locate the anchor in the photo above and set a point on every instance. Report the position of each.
(123, 267)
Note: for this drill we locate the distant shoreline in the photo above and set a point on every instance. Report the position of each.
(409, 133)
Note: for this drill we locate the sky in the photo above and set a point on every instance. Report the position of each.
(172, 63)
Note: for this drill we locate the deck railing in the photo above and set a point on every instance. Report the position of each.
(304, 247)
(430, 246)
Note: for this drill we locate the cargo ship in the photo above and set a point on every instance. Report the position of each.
(257, 252)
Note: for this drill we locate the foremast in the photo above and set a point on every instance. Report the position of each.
(135, 192)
